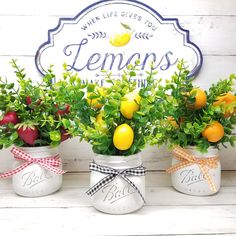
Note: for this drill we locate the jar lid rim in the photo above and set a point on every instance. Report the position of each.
(194, 148)
(114, 158)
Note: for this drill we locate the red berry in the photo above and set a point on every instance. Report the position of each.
(64, 111)
(28, 100)
(28, 134)
(64, 134)
(9, 117)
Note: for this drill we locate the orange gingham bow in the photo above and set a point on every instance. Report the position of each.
(187, 159)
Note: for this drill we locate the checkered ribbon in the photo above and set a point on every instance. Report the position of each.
(187, 159)
(50, 163)
(112, 174)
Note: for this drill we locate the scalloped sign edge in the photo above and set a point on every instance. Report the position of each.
(71, 20)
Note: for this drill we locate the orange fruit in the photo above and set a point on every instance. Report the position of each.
(172, 121)
(94, 102)
(200, 98)
(181, 120)
(130, 104)
(226, 101)
(213, 132)
(123, 137)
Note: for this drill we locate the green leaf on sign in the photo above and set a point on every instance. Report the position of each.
(126, 26)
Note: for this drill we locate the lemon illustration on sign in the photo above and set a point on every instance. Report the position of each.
(122, 38)
(123, 137)
(130, 104)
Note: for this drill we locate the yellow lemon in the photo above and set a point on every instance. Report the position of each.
(120, 40)
(100, 123)
(123, 137)
(94, 102)
(130, 104)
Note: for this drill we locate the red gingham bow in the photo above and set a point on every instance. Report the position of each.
(50, 163)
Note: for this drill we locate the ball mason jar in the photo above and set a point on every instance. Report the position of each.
(190, 179)
(118, 196)
(35, 180)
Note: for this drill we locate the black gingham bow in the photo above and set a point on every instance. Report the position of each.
(112, 173)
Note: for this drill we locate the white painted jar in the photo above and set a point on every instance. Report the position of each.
(35, 180)
(118, 197)
(190, 180)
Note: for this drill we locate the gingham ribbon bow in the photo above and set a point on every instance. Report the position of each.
(112, 174)
(187, 159)
(50, 163)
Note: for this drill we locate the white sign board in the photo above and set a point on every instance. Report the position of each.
(114, 33)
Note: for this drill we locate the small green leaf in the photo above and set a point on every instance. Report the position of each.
(66, 123)
(80, 95)
(14, 136)
(132, 73)
(55, 136)
(90, 87)
(10, 86)
(126, 26)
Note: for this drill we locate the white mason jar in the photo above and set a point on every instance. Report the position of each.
(190, 180)
(118, 197)
(35, 180)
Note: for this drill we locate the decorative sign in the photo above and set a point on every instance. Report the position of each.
(110, 35)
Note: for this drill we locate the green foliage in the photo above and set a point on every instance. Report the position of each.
(102, 140)
(48, 106)
(69, 107)
(183, 125)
